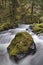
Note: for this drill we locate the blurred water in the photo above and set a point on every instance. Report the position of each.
(5, 39)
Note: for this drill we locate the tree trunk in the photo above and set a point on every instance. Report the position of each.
(14, 5)
(2, 2)
(32, 8)
(5, 3)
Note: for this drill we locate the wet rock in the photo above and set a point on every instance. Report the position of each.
(21, 46)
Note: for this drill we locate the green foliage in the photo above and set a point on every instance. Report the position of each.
(34, 20)
(20, 44)
(21, 11)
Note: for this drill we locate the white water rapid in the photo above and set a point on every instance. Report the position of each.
(7, 36)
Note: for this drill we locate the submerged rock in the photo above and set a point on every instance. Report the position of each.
(21, 46)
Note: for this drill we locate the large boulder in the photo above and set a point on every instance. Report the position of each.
(21, 46)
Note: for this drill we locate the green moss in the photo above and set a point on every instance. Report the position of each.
(38, 28)
(5, 26)
(20, 44)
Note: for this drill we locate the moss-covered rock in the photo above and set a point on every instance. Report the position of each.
(5, 26)
(38, 28)
(21, 45)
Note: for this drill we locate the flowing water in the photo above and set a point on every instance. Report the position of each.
(7, 36)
